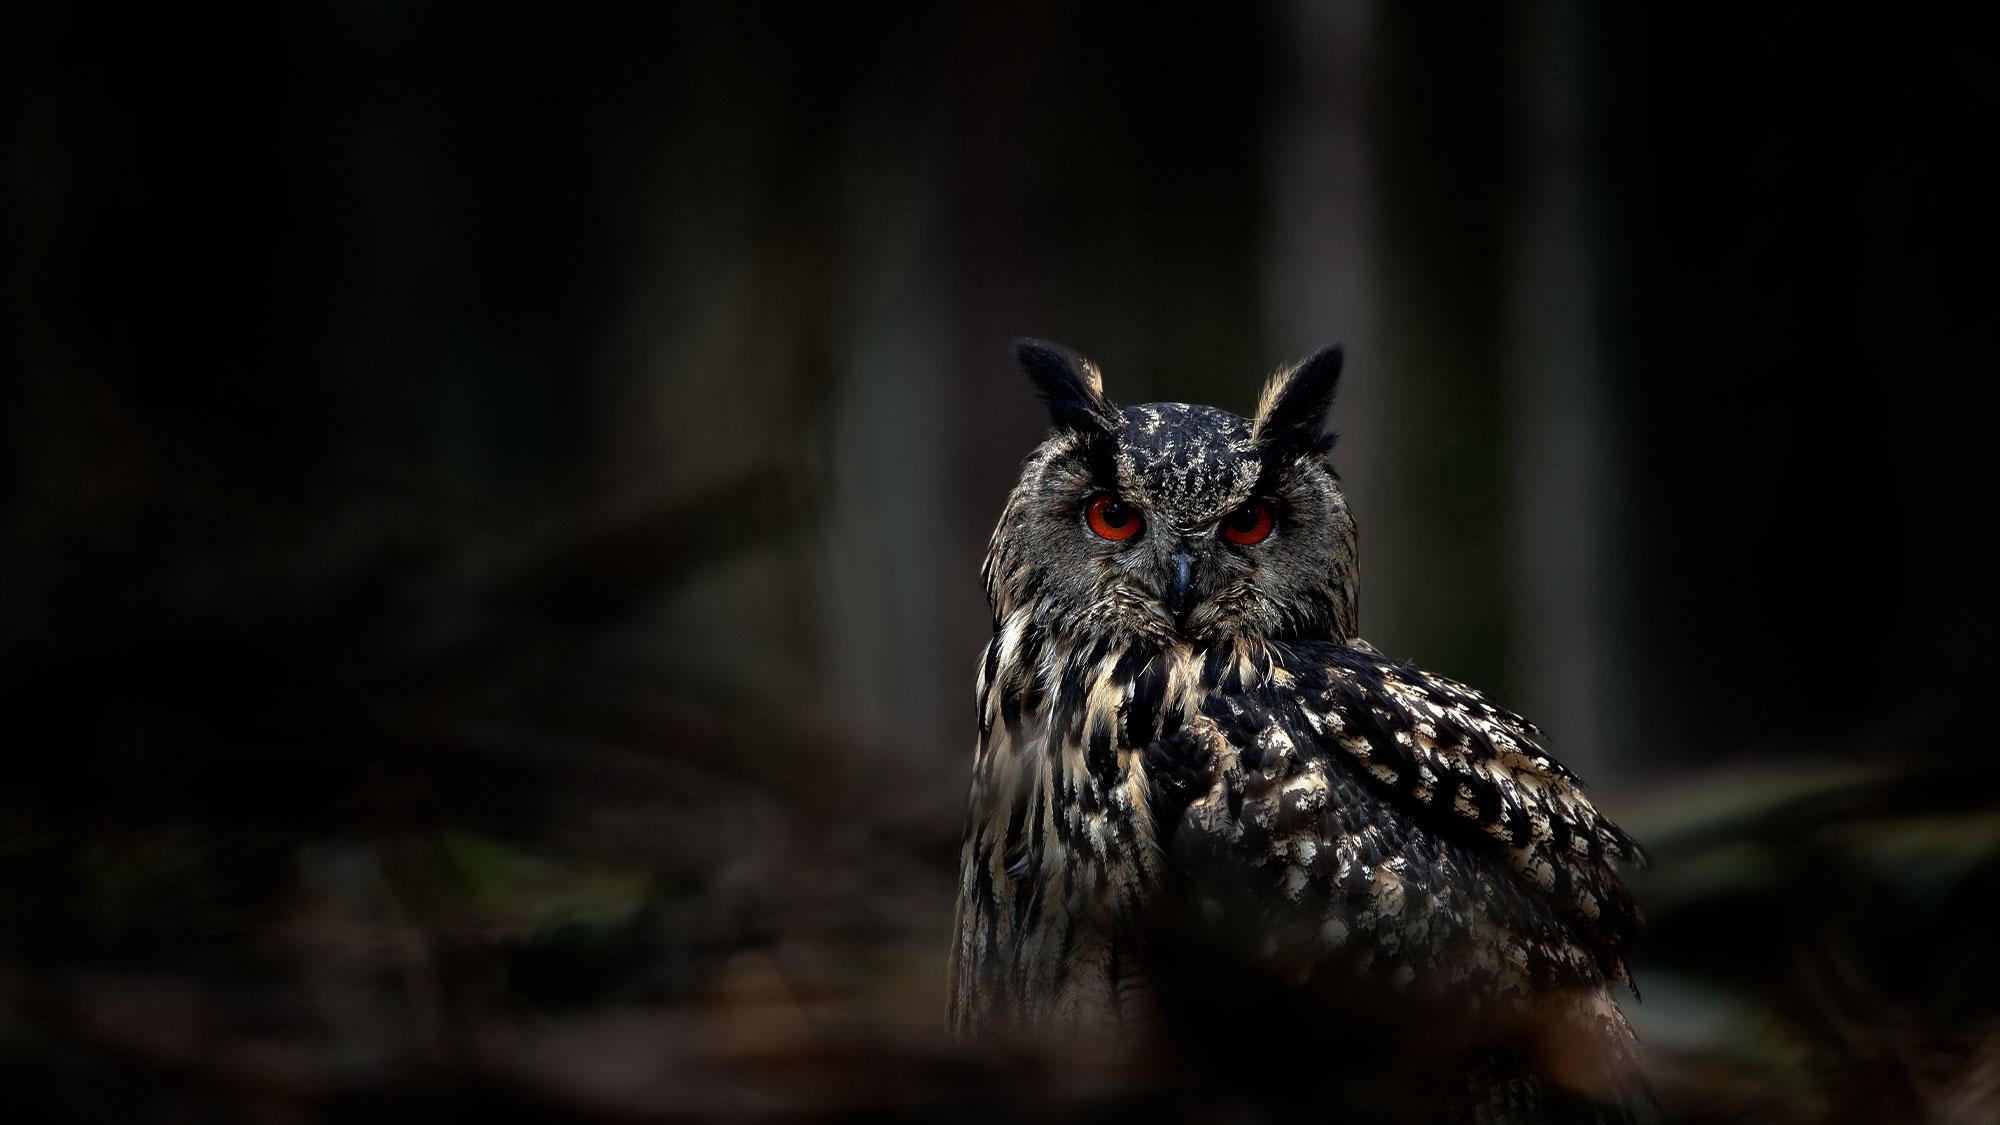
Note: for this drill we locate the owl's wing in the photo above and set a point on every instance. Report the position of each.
(1351, 810)
(1336, 767)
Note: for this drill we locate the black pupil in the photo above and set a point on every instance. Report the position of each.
(1115, 514)
(1243, 519)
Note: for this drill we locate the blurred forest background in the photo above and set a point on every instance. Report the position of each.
(493, 502)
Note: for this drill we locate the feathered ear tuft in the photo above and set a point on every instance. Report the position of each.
(1069, 384)
(1291, 413)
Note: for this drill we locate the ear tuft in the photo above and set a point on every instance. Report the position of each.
(1291, 413)
(1069, 384)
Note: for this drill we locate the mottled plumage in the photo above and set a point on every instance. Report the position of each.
(1191, 770)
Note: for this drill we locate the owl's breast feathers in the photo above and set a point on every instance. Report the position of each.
(1315, 804)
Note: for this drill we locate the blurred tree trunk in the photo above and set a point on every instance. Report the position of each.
(1432, 207)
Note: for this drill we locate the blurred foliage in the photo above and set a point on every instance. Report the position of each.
(1818, 945)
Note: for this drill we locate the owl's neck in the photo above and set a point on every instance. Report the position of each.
(1057, 688)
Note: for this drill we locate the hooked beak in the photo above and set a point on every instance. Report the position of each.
(1180, 588)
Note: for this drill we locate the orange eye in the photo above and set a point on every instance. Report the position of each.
(1112, 518)
(1248, 525)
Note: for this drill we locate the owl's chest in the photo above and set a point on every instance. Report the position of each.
(1061, 866)
(1068, 830)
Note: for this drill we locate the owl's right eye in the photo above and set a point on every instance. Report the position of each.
(1112, 518)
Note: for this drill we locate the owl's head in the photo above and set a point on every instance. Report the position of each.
(1169, 522)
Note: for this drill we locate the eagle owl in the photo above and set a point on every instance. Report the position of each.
(1205, 812)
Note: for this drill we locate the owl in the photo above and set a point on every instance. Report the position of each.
(1211, 823)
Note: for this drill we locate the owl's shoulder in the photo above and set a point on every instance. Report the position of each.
(1360, 792)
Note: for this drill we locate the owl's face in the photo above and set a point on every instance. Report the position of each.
(1171, 522)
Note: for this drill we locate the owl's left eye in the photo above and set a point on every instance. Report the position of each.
(1248, 525)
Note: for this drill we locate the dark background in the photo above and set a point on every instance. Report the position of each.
(492, 504)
